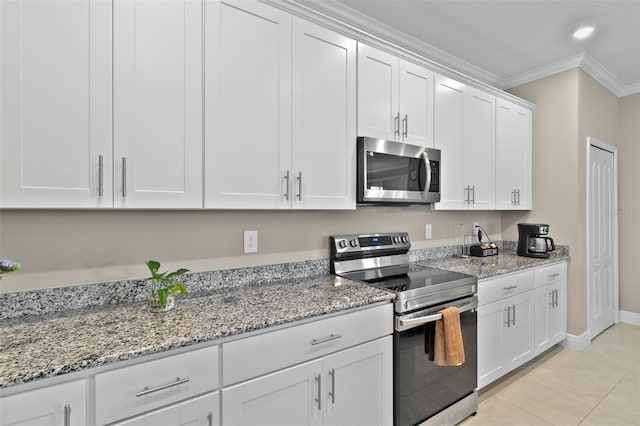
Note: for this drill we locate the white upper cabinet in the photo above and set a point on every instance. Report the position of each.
(465, 132)
(157, 95)
(513, 156)
(269, 76)
(395, 98)
(55, 111)
(247, 105)
(324, 118)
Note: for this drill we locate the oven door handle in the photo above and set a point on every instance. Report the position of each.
(413, 322)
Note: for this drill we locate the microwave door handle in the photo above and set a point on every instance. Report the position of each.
(427, 166)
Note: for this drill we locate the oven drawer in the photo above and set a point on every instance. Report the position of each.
(153, 384)
(494, 289)
(551, 274)
(256, 355)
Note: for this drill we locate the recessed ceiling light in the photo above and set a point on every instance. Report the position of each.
(583, 32)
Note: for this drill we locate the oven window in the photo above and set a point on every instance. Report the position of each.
(422, 388)
(395, 173)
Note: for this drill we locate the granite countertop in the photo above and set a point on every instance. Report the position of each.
(41, 346)
(491, 266)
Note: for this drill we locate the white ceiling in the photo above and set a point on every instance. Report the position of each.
(509, 42)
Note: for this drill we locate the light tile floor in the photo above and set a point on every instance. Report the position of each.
(599, 385)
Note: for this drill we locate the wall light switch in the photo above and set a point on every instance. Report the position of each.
(427, 231)
(250, 241)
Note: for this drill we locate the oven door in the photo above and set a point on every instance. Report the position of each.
(392, 172)
(422, 388)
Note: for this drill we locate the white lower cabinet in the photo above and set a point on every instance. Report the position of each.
(62, 404)
(519, 316)
(351, 387)
(164, 385)
(505, 336)
(335, 371)
(201, 411)
(550, 307)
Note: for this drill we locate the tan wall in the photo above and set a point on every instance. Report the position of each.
(555, 178)
(58, 248)
(629, 202)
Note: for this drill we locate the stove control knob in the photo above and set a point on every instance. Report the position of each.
(405, 239)
(342, 244)
(396, 240)
(353, 243)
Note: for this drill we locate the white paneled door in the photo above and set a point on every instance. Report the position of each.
(602, 237)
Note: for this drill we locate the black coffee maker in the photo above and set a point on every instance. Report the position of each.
(533, 240)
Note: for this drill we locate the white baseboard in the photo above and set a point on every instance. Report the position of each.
(629, 318)
(577, 343)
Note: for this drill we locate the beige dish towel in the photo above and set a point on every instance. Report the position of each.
(448, 345)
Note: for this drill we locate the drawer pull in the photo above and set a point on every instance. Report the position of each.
(210, 418)
(511, 287)
(325, 339)
(554, 275)
(67, 415)
(148, 390)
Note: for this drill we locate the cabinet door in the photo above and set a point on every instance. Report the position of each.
(416, 104)
(449, 113)
(201, 411)
(492, 320)
(558, 315)
(378, 99)
(46, 406)
(519, 334)
(359, 386)
(291, 397)
(478, 157)
(55, 108)
(157, 93)
(247, 105)
(324, 118)
(513, 156)
(543, 304)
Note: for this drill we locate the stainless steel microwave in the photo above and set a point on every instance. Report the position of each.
(397, 173)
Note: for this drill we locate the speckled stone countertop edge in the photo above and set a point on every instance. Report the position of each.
(47, 346)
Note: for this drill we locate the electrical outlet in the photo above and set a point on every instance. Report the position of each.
(250, 241)
(427, 231)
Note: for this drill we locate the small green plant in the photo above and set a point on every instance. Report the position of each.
(165, 282)
(7, 266)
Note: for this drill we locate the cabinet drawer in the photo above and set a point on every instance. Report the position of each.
(257, 355)
(550, 274)
(133, 390)
(498, 288)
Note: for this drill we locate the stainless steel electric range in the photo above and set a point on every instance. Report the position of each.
(423, 392)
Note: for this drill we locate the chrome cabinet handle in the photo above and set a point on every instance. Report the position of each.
(466, 197)
(511, 287)
(396, 124)
(299, 186)
(210, 418)
(552, 303)
(553, 275)
(100, 176)
(518, 192)
(332, 394)
(508, 316)
(405, 125)
(286, 193)
(325, 339)
(514, 315)
(67, 415)
(124, 176)
(148, 390)
(319, 398)
(473, 190)
(513, 197)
